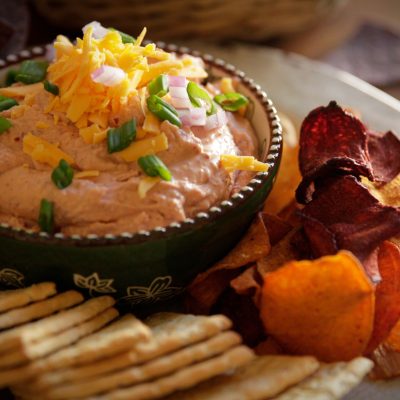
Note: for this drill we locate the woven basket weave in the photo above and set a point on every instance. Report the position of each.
(252, 20)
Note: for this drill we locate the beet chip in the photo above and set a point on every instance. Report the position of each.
(387, 305)
(351, 219)
(331, 140)
(384, 153)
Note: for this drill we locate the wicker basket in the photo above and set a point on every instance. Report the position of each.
(252, 20)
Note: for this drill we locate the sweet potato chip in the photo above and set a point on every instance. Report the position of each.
(323, 307)
(204, 291)
(394, 337)
(384, 151)
(387, 306)
(280, 254)
(288, 176)
(331, 140)
(249, 282)
(277, 228)
(355, 218)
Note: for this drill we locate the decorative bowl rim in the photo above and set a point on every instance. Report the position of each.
(272, 157)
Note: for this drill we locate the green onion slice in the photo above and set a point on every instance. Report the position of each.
(159, 86)
(7, 102)
(46, 216)
(31, 71)
(231, 101)
(153, 166)
(124, 36)
(163, 110)
(120, 138)
(5, 124)
(10, 77)
(196, 94)
(62, 175)
(50, 87)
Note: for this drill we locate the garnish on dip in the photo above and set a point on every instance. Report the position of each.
(53, 89)
(31, 71)
(63, 175)
(7, 102)
(5, 124)
(46, 216)
(153, 166)
(120, 138)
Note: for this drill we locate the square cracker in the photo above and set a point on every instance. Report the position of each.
(115, 338)
(21, 297)
(184, 378)
(40, 309)
(41, 348)
(331, 381)
(263, 378)
(36, 349)
(55, 323)
(168, 335)
(162, 366)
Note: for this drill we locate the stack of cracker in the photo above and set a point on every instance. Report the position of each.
(56, 346)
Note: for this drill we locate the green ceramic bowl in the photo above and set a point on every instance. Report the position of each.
(148, 266)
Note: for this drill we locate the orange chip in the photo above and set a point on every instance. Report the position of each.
(387, 307)
(204, 291)
(287, 180)
(249, 282)
(323, 307)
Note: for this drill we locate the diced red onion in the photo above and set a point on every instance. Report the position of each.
(178, 81)
(180, 103)
(50, 54)
(178, 92)
(193, 116)
(216, 120)
(98, 29)
(107, 75)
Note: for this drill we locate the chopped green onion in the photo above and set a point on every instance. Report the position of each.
(5, 124)
(31, 71)
(120, 138)
(50, 87)
(124, 36)
(46, 216)
(62, 175)
(159, 86)
(197, 93)
(7, 102)
(153, 166)
(231, 101)
(163, 110)
(10, 77)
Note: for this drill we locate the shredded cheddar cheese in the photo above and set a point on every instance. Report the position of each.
(243, 163)
(41, 125)
(90, 105)
(151, 123)
(144, 147)
(145, 184)
(21, 91)
(227, 85)
(42, 151)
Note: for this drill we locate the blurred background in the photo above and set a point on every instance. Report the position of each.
(359, 36)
